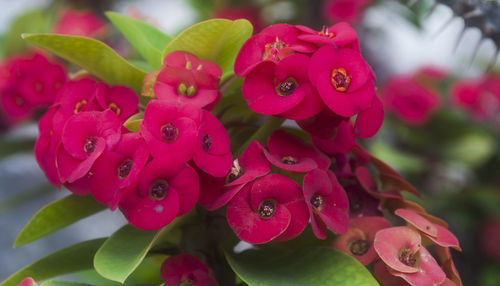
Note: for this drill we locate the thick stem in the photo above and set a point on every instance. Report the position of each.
(272, 123)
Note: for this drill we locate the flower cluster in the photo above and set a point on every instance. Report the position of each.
(413, 98)
(187, 269)
(478, 97)
(297, 73)
(149, 174)
(28, 82)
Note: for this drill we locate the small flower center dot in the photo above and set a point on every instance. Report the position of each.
(289, 160)
(317, 201)
(340, 80)
(206, 142)
(186, 282)
(276, 50)
(158, 190)
(125, 168)
(407, 257)
(356, 206)
(19, 100)
(359, 247)
(182, 88)
(169, 132)
(38, 87)
(286, 87)
(90, 145)
(79, 106)
(114, 108)
(267, 209)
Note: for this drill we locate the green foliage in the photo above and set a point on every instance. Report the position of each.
(216, 40)
(120, 255)
(322, 266)
(67, 260)
(134, 122)
(57, 215)
(62, 283)
(146, 39)
(9, 147)
(94, 56)
(35, 21)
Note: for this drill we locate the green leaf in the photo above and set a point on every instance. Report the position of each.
(56, 215)
(62, 283)
(9, 147)
(217, 40)
(67, 260)
(125, 249)
(134, 122)
(35, 21)
(322, 266)
(148, 40)
(94, 56)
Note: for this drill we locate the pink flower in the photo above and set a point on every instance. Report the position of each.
(120, 99)
(271, 208)
(345, 10)
(323, 125)
(410, 101)
(361, 203)
(164, 191)
(187, 269)
(489, 236)
(273, 43)
(212, 153)
(343, 79)
(341, 142)
(118, 169)
(289, 152)
(327, 203)
(85, 137)
(401, 250)
(28, 281)
(435, 232)
(79, 23)
(338, 35)
(187, 79)
(358, 240)
(369, 121)
(171, 130)
(282, 89)
(251, 164)
(471, 96)
(27, 82)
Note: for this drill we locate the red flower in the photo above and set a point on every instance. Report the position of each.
(79, 23)
(327, 203)
(271, 208)
(187, 269)
(345, 10)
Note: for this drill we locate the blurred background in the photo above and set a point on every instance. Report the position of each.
(437, 76)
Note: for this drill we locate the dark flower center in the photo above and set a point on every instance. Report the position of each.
(186, 282)
(90, 145)
(114, 108)
(169, 132)
(267, 209)
(317, 201)
(125, 168)
(184, 89)
(158, 190)
(359, 247)
(206, 142)
(407, 257)
(289, 160)
(287, 87)
(340, 80)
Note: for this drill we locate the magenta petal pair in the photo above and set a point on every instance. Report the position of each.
(289, 152)
(271, 208)
(282, 89)
(171, 130)
(164, 191)
(327, 203)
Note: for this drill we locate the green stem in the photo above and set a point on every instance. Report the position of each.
(272, 123)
